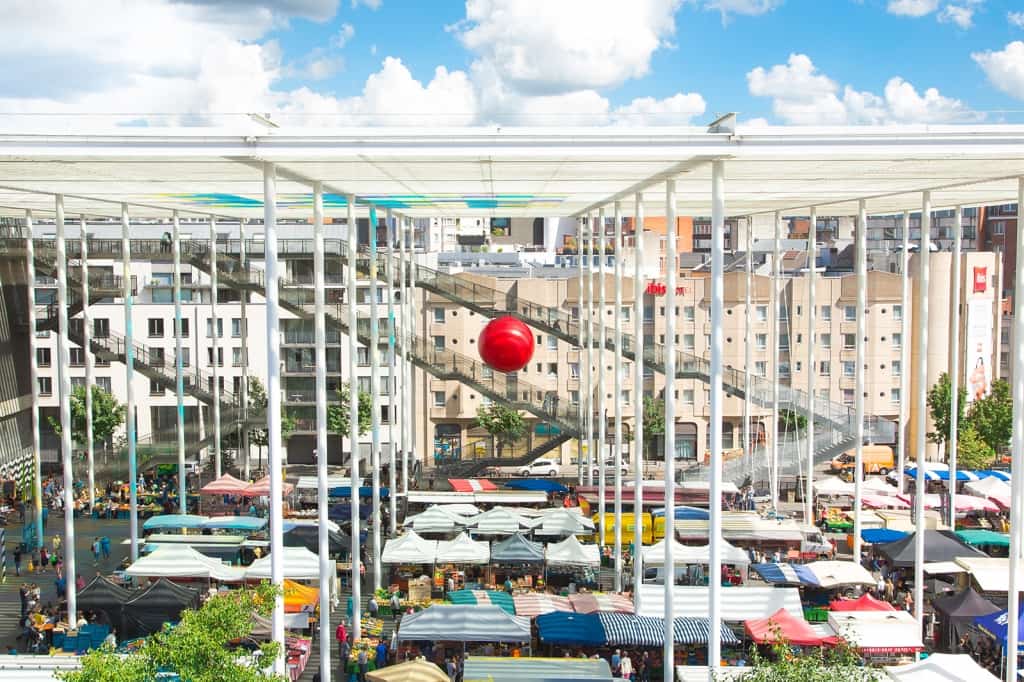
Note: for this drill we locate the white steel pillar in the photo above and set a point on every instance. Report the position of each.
(392, 366)
(588, 363)
(861, 256)
(715, 488)
(602, 406)
(64, 377)
(617, 400)
(922, 403)
(1017, 454)
(901, 431)
(37, 465)
(812, 267)
(243, 441)
(748, 359)
(671, 271)
(403, 289)
(353, 414)
(89, 362)
(320, 348)
(273, 341)
(215, 410)
(129, 398)
(179, 365)
(638, 404)
(412, 332)
(954, 362)
(775, 304)
(374, 400)
(581, 401)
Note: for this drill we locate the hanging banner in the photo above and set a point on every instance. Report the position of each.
(980, 280)
(978, 349)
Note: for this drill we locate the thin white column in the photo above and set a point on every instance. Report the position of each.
(64, 377)
(243, 441)
(617, 401)
(216, 348)
(901, 431)
(580, 379)
(87, 352)
(392, 366)
(1017, 454)
(671, 271)
(353, 415)
(273, 341)
(922, 403)
(812, 260)
(129, 398)
(717, 405)
(374, 400)
(179, 366)
(602, 405)
(410, 370)
(954, 362)
(37, 465)
(403, 289)
(775, 304)
(862, 332)
(748, 360)
(320, 346)
(588, 364)
(638, 404)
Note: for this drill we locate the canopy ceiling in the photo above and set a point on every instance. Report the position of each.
(510, 171)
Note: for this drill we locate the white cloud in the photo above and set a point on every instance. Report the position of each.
(748, 7)
(961, 16)
(344, 34)
(372, 4)
(912, 8)
(373, 50)
(1015, 19)
(679, 109)
(1004, 68)
(804, 96)
(316, 10)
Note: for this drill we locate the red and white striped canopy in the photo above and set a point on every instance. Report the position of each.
(471, 485)
(533, 604)
(595, 602)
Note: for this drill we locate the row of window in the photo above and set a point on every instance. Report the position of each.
(46, 384)
(824, 340)
(155, 327)
(760, 313)
(44, 358)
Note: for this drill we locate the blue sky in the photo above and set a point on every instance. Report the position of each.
(521, 61)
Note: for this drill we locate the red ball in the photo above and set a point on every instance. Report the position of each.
(506, 344)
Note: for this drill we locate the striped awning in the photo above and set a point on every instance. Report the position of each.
(471, 485)
(623, 629)
(593, 602)
(484, 598)
(785, 574)
(533, 604)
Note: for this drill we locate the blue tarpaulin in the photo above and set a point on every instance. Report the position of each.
(1001, 475)
(248, 523)
(785, 574)
(880, 536)
(537, 484)
(685, 513)
(364, 491)
(929, 474)
(343, 512)
(997, 626)
(174, 521)
(582, 629)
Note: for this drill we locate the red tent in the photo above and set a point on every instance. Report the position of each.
(471, 485)
(261, 488)
(782, 623)
(225, 485)
(864, 602)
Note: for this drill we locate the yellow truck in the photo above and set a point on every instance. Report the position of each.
(649, 535)
(877, 459)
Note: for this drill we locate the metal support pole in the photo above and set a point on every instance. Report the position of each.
(320, 348)
(717, 405)
(244, 392)
(392, 366)
(37, 464)
(901, 431)
(922, 404)
(179, 366)
(590, 366)
(671, 271)
(748, 359)
(129, 399)
(273, 340)
(1017, 454)
(412, 332)
(812, 267)
(775, 304)
(90, 448)
(217, 327)
(638, 404)
(403, 288)
(374, 400)
(602, 410)
(353, 415)
(617, 401)
(580, 380)
(954, 361)
(862, 331)
(64, 377)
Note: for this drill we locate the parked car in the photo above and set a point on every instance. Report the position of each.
(609, 468)
(541, 467)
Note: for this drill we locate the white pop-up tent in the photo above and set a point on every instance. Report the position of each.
(941, 668)
(738, 603)
(299, 564)
(569, 552)
(840, 573)
(879, 633)
(462, 550)
(464, 623)
(498, 521)
(832, 485)
(694, 554)
(409, 548)
(436, 520)
(562, 522)
(181, 561)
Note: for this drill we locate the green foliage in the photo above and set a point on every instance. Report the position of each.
(791, 421)
(939, 397)
(814, 664)
(337, 415)
(196, 649)
(258, 404)
(654, 416)
(972, 451)
(992, 416)
(107, 415)
(505, 424)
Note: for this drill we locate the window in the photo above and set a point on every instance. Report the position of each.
(236, 327)
(825, 368)
(155, 325)
(688, 313)
(894, 395)
(156, 357)
(220, 327)
(487, 372)
(825, 340)
(783, 312)
(847, 396)
(45, 386)
(76, 382)
(574, 370)
(897, 368)
(362, 356)
(155, 387)
(438, 314)
(220, 356)
(575, 310)
(385, 385)
(574, 397)
(624, 397)
(761, 313)
(184, 328)
(761, 341)
(798, 366)
(688, 341)
(552, 369)
(783, 369)
(850, 313)
(104, 383)
(799, 310)
(648, 313)
(43, 357)
(186, 357)
(552, 343)
(438, 343)
(799, 338)
(707, 341)
(77, 357)
(761, 368)
(236, 357)
(688, 396)
(849, 368)
(783, 341)
(826, 313)
(849, 341)
(439, 398)
(385, 414)
(101, 328)
(363, 383)
(897, 340)
(897, 312)
(624, 312)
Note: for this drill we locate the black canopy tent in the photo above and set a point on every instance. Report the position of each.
(162, 602)
(939, 545)
(106, 599)
(957, 613)
(309, 537)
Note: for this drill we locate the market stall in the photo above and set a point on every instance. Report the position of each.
(939, 545)
(601, 602)
(622, 629)
(545, 485)
(174, 522)
(833, 574)
(957, 613)
(247, 524)
(409, 549)
(463, 623)
(498, 521)
(502, 600)
(462, 550)
(865, 602)
(570, 552)
(533, 604)
(876, 634)
(785, 574)
(738, 604)
(503, 669)
(298, 564)
(419, 670)
(162, 602)
(783, 625)
(436, 519)
(941, 667)
(735, 562)
(107, 598)
(471, 485)
(991, 488)
(182, 561)
(309, 538)
(562, 523)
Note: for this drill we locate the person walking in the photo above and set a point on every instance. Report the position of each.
(17, 559)
(105, 546)
(44, 559)
(96, 551)
(396, 606)
(626, 667)
(364, 663)
(372, 606)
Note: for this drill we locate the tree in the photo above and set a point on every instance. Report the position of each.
(107, 415)
(838, 663)
(790, 420)
(258, 403)
(197, 649)
(992, 416)
(337, 415)
(505, 424)
(972, 451)
(939, 397)
(654, 423)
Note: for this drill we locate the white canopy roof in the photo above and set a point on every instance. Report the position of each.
(569, 552)
(991, 488)
(837, 573)
(688, 554)
(498, 521)
(738, 603)
(562, 522)
(409, 548)
(832, 485)
(436, 519)
(464, 623)
(299, 563)
(182, 561)
(463, 550)
(877, 631)
(941, 668)
(310, 482)
(878, 485)
(991, 574)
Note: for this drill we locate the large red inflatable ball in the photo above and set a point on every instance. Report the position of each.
(506, 344)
